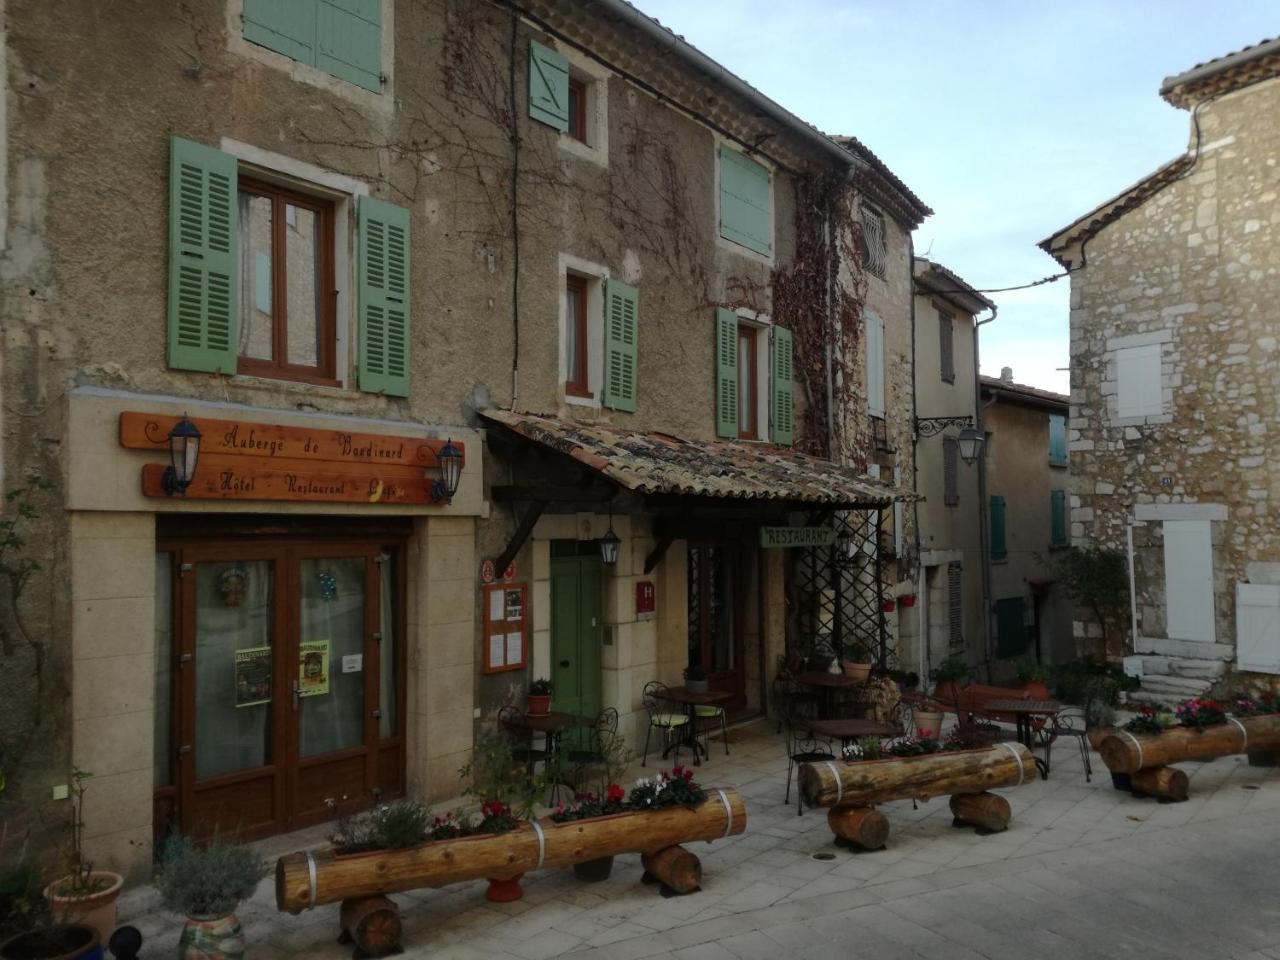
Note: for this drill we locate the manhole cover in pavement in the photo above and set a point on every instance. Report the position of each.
(1249, 786)
(824, 856)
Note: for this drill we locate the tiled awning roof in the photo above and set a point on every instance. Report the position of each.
(657, 463)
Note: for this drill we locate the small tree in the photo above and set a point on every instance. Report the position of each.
(1096, 578)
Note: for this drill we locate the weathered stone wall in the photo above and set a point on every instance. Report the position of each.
(1195, 270)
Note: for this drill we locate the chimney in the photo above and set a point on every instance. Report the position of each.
(1006, 374)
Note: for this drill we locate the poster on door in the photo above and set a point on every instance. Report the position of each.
(253, 676)
(313, 668)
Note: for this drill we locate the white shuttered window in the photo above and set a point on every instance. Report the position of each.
(875, 365)
(1138, 392)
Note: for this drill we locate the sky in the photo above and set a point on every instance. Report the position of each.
(1010, 118)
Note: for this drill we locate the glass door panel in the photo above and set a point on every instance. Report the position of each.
(234, 648)
(331, 678)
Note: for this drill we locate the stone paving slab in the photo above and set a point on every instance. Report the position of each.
(1083, 871)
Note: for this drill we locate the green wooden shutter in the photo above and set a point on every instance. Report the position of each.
(548, 86)
(1058, 518)
(384, 298)
(726, 373)
(285, 26)
(999, 549)
(620, 354)
(782, 389)
(204, 287)
(349, 41)
(1057, 439)
(745, 213)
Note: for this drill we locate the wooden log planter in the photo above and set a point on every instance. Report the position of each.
(851, 789)
(1146, 756)
(306, 879)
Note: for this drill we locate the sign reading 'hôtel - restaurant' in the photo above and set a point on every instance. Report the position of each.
(241, 460)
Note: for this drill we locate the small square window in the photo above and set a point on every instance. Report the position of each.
(287, 315)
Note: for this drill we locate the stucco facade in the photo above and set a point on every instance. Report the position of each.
(500, 209)
(1174, 373)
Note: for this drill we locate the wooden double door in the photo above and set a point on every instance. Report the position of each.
(285, 683)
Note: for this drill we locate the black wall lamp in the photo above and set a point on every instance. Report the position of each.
(969, 441)
(449, 459)
(609, 544)
(184, 455)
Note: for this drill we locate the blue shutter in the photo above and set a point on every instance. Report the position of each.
(999, 549)
(745, 213)
(1058, 518)
(285, 26)
(384, 307)
(1057, 439)
(349, 41)
(548, 86)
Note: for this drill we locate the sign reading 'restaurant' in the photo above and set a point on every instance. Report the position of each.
(797, 536)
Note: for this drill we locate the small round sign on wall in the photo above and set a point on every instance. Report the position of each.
(509, 574)
(487, 572)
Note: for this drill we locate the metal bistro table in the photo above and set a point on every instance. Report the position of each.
(551, 725)
(712, 698)
(828, 684)
(853, 729)
(1024, 713)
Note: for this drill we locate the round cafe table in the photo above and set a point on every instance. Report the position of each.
(827, 684)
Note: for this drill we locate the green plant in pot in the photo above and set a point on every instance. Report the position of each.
(508, 792)
(83, 894)
(28, 929)
(1034, 678)
(695, 678)
(540, 697)
(205, 885)
(947, 677)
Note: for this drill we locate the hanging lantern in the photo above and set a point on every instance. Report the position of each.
(609, 547)
(184, 455)
(449, 459)
(970, 444)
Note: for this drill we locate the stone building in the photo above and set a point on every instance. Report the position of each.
(354, 245)
(1174, 373)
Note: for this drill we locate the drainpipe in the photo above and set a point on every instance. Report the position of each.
(1133, 593)
(984, 534)
(922, 641)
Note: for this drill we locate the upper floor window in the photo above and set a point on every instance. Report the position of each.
(577, 109)
(599, 337)
(1057, 440)
(1139, 390)
(946, 346)
(748, 382)
(875, 250)
(753, 382)
(874, 327)
(746, 202)
(340, 37)
(577, 338)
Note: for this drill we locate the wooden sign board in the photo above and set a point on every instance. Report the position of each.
(797, 536)
(506, 633)
(240, 460)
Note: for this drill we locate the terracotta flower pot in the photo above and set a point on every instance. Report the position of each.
(928, 720)
(857, 671)
(97, 910)
(74, 941)
(890, 606)
(539, 706)
(1037, 689)
(907, 600)
(212, 938)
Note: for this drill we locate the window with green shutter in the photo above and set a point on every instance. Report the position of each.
(726, 373)
(621, 310)
(384, 304)
(341, 37)
(1058, 518)
(999, 549)
(1057, 440)
(782, 389)
(548, 86)
(203, 276)
(746, 210)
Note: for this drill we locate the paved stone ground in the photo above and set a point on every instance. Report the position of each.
(1083, 871)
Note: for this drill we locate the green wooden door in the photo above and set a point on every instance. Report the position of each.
(1011, 630)
(575, 633)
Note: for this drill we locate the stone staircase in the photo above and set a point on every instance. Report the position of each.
(1177, 670)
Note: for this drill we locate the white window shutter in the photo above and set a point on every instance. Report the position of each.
(875, 365)
(1258, 627)
(1138, 389)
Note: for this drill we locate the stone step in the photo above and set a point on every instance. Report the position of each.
(1186, 649)
(1180, 667)
(1140, 698)
(1184, 687)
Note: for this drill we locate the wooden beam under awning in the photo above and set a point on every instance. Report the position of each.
(527, 523)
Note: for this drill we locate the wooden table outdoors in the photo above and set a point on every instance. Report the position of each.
(1024, 712)
(853, 729)
(690, 700)
(828, 684)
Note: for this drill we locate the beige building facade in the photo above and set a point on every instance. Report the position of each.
(1174, 375)
(350, 272)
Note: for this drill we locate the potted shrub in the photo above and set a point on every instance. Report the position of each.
(1099, 722)
(84, 895)
(946, 678)
(695, 678)
(205, 885)
(540, 697)
(28, 930)
(1034, 678)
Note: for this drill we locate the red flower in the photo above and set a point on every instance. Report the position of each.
(615, 793)
(493, 808)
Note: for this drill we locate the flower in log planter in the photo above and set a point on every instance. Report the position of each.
(1263, 704)
(1151, 721)
(670, 788)
(1200, 713)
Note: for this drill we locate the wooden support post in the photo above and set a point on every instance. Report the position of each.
(1168, 783)
(520, 536)
(986, 811)
(675, 867)
(372, 924)
(867, 828)
(656, 554)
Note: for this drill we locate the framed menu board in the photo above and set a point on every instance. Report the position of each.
(506, 632)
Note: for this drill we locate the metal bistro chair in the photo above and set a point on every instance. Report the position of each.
(787, 690)
(522, 748)
(600, 737)
(706, 718)
(671, 724)
(802, 747)
(1068, 723)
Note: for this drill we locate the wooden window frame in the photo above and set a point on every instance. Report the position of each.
(578, 110)
(577, 383)
(751, 396)
(324, 373)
